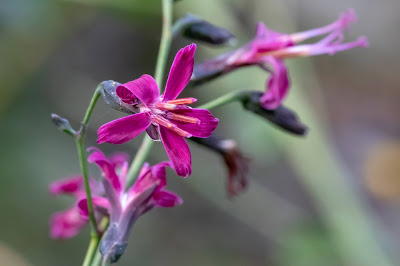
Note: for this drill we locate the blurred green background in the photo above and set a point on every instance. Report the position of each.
(331, 198)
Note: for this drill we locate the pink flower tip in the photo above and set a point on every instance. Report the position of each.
(346, 18)
(363, 41)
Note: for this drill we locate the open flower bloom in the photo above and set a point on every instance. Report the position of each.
(126, 205)
(162, 115)
(68, 223)
(269, 48)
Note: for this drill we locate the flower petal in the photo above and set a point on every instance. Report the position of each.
(149, 176)
(71, 185)
(208, 123)
(123, 129)
(180, 73)
(277, 86)
(100, 204)
(178, 151)
(144, 88)
(166, 198)
(107, 168)
(66, 224)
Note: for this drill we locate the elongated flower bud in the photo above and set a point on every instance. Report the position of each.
(195, 28)
(62, 124)
(111, 98)
(281, 116)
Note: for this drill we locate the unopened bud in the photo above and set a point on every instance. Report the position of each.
(112, 247)
(196, 28)
(62, 124)
(235, 161)
(111, 98)
(281, 116)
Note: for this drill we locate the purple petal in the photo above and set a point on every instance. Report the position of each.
(278, 85)
(71, 185)
(208, 123)
(107, 168)
(149, 176)
(144, 88)
(166, 198)
(180, 73)
(100, 204)
(123, 129)
(66, 224)
(178, 152)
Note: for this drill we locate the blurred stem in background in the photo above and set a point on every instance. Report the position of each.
(348, 218)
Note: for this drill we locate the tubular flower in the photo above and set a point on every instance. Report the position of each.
(163, 115)
(268, 50)
(125, 205)
(68, 223)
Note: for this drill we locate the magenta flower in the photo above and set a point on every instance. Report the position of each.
(68, 223)
(125, 205)
(162, 115)
(269, 48)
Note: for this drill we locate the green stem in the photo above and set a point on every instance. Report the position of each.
(79, 141)
(224, 99)
(165, 44)
(138, 161)
(94, 243)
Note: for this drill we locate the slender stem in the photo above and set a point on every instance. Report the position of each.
(224, 99)
(165, 44)
(94, 242)
(79, 141)
(138, 161)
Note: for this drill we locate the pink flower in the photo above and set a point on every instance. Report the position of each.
(162, 115)
(269, 48)
(68, 223)
(125, 205)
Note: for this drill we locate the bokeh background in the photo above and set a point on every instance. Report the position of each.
(331, 198)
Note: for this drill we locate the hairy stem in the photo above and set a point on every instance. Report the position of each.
(166, 37)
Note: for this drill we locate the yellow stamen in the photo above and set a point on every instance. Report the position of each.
(182, 101)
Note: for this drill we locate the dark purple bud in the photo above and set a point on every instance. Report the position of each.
(235, 161)
(62, 124)
(111, 98)
(193, 27)
(281, 116)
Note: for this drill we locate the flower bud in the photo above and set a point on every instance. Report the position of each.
(193, 27)
(281, 116)
(111, 98)
(112, 247)
(235, 161)
(62, 124)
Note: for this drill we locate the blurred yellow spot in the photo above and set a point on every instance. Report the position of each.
(382, 171)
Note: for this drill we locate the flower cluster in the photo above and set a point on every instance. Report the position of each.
(170, 119)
